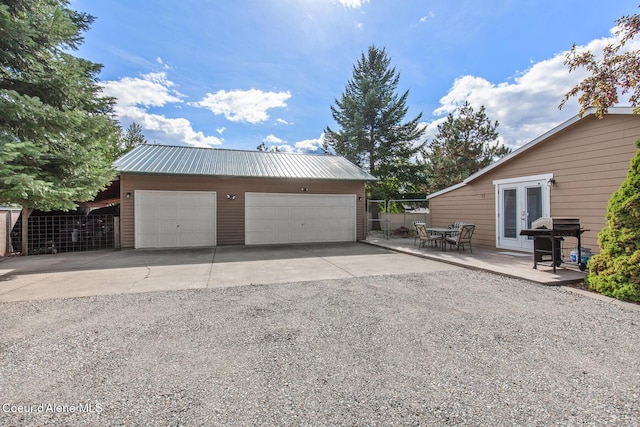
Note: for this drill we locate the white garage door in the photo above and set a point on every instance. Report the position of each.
(172, 219)
(299, 218)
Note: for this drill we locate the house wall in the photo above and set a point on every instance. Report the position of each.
(230, 213)
(588, 160)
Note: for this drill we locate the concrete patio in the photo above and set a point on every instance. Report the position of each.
(500, 261)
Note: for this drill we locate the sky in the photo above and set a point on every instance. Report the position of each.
(235, 73)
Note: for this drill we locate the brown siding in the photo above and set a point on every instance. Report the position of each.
(589, 161)
(230, 213)
(5, 241)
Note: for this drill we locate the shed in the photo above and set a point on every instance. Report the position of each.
(570, 171)
(188, 197)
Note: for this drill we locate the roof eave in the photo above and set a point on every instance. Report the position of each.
(562, 126)
(311, 178)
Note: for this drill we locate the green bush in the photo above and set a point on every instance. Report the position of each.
(615, 271)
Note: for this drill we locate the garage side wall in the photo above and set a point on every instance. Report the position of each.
(230, 212)
(588, 161)
(5, 232)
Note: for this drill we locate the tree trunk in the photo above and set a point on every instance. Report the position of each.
(26, 212)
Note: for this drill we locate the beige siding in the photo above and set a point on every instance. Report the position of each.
(588, 160)
(230, 215)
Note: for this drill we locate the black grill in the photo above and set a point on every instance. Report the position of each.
(548, 234)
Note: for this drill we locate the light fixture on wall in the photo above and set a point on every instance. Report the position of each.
(551, 182)
(231, 196)
(127, 196)
(304, 189)
(359, 198)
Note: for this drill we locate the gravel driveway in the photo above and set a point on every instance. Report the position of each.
(446, 348)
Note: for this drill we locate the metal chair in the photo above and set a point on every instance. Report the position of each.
(462, 238)
(455, 226)
(426, 237)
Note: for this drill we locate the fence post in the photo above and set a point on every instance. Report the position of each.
(116, 232)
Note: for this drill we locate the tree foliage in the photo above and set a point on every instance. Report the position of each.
(129, 139)
(615, 271)
(371, 134)
(263, 147)
(56, 130)
(465, 143)
(616, 71)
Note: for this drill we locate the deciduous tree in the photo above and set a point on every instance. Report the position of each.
(616, 73)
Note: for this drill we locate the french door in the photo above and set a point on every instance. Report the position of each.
(520, 201)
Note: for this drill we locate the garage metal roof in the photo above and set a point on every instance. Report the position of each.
(166, 159)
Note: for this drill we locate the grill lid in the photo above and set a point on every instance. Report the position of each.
(556, 222)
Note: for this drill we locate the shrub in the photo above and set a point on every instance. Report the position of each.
(615, 271)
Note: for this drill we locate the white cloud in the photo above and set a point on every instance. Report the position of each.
(272, 139)
(249, 106)
(283, 122)
(305, 146)
(310, 145)
(135, 95)
(161, 62)
(285, 148)
(527, 107)
(352, 3)
(172, 131)
(151, 90)
(427, 17)
(221, 130)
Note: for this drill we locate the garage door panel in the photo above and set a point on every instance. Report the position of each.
(167, 241)
(147, 241)
(190, 212)
(296, 218)
(174, 218)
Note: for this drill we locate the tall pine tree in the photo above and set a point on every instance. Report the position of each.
(465, 143)
(130, 138)
(56, 131)
(371, 132)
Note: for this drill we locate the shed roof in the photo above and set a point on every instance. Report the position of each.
(174, 160)
(527, 146)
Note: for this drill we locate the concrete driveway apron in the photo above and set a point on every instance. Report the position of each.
(135, 271)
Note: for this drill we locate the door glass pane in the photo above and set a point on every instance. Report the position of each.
(510, 214)
(534, 204)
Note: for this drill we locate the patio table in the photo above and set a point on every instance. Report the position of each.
(444, 232)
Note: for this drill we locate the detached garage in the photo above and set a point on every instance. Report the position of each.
(174, 197)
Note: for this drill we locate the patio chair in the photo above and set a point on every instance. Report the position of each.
(426, 237)
(415, 228)
(456, 226)
(462, 238)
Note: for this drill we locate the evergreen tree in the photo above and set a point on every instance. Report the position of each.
(263, 147)
(371, 133)
(56, 130)
(131, 138)
(464, 144)
(615, 271)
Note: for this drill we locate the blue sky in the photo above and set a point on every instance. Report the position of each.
(235, 73)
